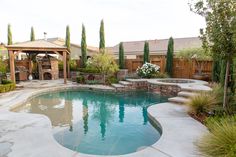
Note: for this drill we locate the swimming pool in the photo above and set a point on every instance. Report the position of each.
(101, 123)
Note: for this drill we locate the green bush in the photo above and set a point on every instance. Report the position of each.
(201, 103)
(104, 63)
(111, 80)
(3, 67)
(194, 53)
(159, 75)
(221, 141)
(210, 102)
(88, 70)
(73, 65)
(80, 79)
(218, 93)
(7, 87)
(6, 81)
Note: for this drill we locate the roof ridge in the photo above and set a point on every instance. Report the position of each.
(155, 40)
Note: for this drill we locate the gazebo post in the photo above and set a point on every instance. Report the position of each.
(30, 65)
(12, 66)
(64, 66)
(68, 67)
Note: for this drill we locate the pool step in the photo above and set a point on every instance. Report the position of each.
(196, 89)
(19, 86)
(178, 100)
(117, 85)
(125, 83)
(186, 94)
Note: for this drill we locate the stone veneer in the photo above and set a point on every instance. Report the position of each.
(122, 74)
(165, 90)
(165, 87)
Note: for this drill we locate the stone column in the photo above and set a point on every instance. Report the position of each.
(64, 66)
(12, 66)
(68, 67)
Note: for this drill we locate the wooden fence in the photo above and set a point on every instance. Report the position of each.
(182, 68)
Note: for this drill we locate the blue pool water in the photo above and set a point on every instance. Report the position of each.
(100, 123)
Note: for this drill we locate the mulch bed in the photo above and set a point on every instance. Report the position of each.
(199, 117)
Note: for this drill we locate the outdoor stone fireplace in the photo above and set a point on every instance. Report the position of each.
(48, 68)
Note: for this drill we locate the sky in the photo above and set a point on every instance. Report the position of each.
(125, 20)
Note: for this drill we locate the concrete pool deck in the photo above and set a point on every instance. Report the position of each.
(30, 135)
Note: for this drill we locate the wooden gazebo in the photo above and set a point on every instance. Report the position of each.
(35, 48)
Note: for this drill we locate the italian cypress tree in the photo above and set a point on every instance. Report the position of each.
(146, 57)
(121, 56)
(83, 48)
(9, 35)
(102, 36)
(169, 57)
(9, 40)
(67, 42)
(32, 36)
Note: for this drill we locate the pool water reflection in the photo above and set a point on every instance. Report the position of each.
(100, 123)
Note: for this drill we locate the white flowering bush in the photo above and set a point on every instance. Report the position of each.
(148, 70)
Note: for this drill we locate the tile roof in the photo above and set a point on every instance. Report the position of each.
(158, 46)
(61, 41)
(36, 44)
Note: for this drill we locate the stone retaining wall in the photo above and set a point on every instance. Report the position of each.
(140, 85)
(165, 90)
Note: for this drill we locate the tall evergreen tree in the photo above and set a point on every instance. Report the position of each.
(102, 36)
(9, 40)
(32, 36)
(9, 35)
(169, 57)
(67, 42)
(146, 57)
(220, 17)
(83, 48)
(121, 56)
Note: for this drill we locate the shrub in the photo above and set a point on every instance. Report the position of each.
(3, 66)
(148, 70)
(73, 65)
(6, 81)
(80, 79)
(89, 70)
(221, 141)
(160, 75)
(7, 87)
(210, 102)
(201, 103)
(104, 63)
(218, 93)
(111, 80)
(194, 53)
